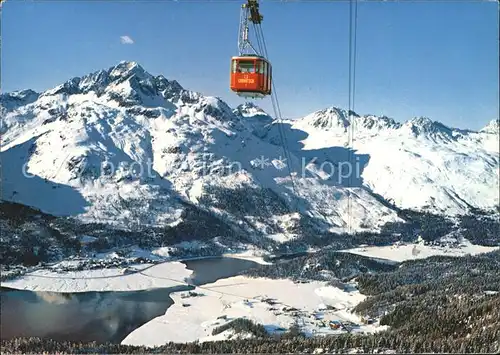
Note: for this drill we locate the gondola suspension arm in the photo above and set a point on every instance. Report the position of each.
(249, 13)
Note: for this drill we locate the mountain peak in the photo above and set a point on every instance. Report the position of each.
(492, 127)
(424, 125)
(14, 99)
(128, 64)
(20, 94)
(126, 83)
(328, 118)
(249, 109)
(421, 121)
(126, 69)
(335, 118)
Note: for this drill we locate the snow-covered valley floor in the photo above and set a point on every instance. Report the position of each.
(419, 250)
(134, 277)
(277, 304)
(137, 277)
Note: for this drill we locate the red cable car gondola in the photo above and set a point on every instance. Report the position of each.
(251, 76)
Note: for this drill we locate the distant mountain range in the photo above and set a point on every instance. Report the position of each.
(124, 147)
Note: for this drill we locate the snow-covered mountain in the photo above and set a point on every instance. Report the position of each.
(419, 164)
(493, 127)
(123, 146)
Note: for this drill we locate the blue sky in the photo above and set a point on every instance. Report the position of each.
(435, 59)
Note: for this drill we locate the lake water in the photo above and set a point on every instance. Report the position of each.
(100, 316)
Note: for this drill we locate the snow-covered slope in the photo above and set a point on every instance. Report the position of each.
(123, 146)
(419, 164)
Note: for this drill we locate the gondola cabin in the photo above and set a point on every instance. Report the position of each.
(251, 76)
